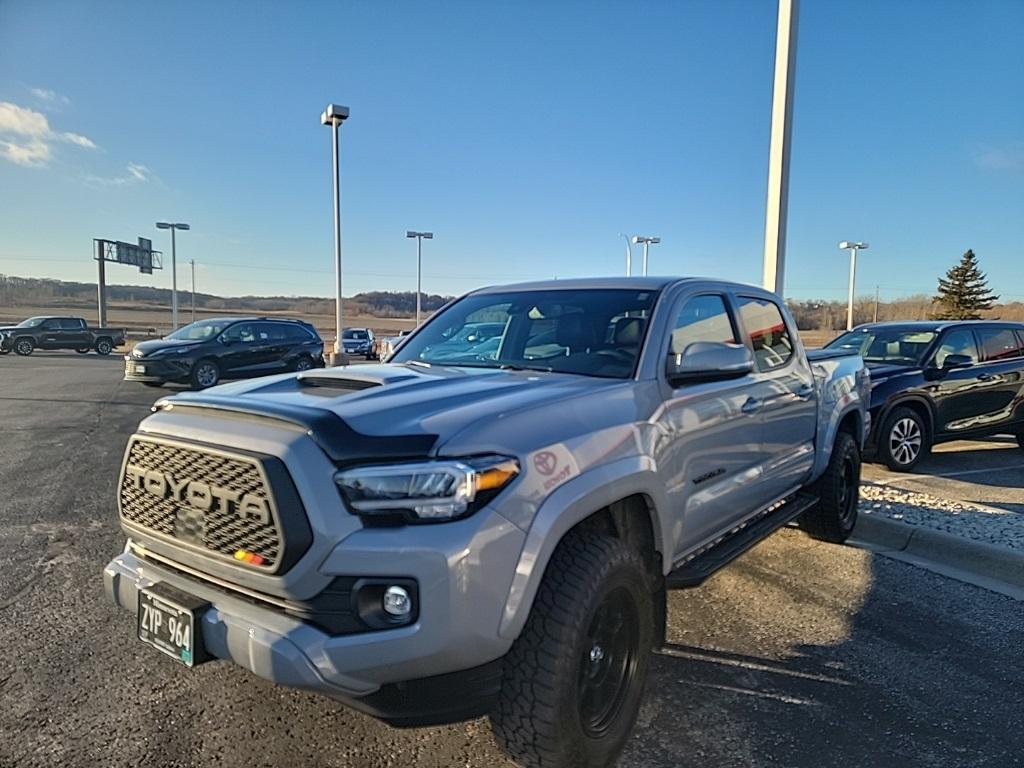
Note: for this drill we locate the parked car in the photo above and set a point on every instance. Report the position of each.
(203, 353)
(58, 332)
(937, 381)
(359, 341)
(430, 541)
(387, 345)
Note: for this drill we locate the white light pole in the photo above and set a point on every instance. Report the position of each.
(334, 115)
(647, 241)
(419, 266)
(852, 247)
(192, 263)
(777, 200)
(174, 268)
(629, 255)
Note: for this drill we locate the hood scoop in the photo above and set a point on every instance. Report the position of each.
(335, 384)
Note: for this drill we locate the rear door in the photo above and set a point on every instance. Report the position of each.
(272, 346)
(239, 348)
(73, 333)
(783, 393)
(710, 449)
(1001, 378)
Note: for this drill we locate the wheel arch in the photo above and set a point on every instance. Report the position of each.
(621, 499)
(924, 408)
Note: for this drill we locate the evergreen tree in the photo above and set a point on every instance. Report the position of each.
(964, 292)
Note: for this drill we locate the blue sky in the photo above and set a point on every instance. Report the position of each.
(525, 135)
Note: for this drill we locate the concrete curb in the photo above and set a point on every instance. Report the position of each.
(987, 565)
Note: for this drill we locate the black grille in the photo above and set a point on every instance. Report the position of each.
(231, 506)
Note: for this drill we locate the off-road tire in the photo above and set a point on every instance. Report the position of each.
(24, 347)
(538, 718)
(838, 491)
(198, 377)
(104, 346)
(896, 423)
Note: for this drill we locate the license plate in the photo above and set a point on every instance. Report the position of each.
(134, 368)
(140, 369)
(168, 620)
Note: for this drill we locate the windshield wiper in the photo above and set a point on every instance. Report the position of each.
(513, 367)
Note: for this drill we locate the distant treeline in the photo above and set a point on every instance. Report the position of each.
(824, 315)
(61, 293)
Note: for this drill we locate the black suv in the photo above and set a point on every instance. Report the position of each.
(937, 381)
(206, 351)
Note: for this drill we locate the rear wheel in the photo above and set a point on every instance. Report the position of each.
(302, 364)
(903, 439)
(104, 346)
(574, 679)
(205, 373)
(24, 347)
(838, 490)
(82, 350)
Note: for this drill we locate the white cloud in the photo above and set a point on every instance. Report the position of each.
(50, 97)
(1008, 157)
(26, 136)
(135, 173)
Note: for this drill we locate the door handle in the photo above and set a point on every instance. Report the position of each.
(986, 376)
(805, 391)
(752, 405)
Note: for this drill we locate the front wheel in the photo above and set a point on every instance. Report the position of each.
(838, 490)
(205, 373)
(903, 439)
(574, 679)
(24, 347)
(82, 350)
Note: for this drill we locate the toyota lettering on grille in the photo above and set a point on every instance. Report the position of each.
(205, 497)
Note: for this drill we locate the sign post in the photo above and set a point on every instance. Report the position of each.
(141, 255)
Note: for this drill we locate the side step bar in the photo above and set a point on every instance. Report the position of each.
(704, 563)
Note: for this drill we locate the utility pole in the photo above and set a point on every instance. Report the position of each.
(876, 305)
(777, 204)
(192, 263)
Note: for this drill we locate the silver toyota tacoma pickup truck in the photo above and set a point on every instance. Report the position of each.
(489, 526)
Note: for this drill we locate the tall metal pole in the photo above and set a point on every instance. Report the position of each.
(192, 263)
(646, 245)
(853, 280)
(779, 149)
(629, 256)
(174, 283)
(338, 349)
(419, 275)
(875, 319)
(101, 285)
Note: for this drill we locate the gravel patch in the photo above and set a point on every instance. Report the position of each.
(987, 524)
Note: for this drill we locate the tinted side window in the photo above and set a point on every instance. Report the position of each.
(71, 324)
(243, 332)
(51, 325)
(999, 344)
(702, 318)
(769, 336)
(270, 332)
(959, 341)
(297, 333)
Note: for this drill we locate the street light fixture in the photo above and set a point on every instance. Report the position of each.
(852, 247)
(334, 115)
(647, 241)
(174, 267)
(419, 265)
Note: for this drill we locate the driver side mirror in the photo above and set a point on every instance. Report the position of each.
(227, 341)
(704, 361)
(956, 361)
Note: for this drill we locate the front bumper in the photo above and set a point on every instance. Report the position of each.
(399, 675)
(156, 369)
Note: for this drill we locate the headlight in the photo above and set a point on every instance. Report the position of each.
(429, 491)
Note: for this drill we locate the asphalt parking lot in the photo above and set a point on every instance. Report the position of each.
(800, 654)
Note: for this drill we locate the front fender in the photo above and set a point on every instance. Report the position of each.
(570, 504)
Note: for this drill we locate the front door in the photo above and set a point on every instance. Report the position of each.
(710, 437)
(955, 390)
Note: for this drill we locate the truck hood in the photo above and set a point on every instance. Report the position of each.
(144, 348)
(392, 406)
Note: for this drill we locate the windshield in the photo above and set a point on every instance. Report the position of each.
(353, 334)
(199, 331)
(30, 322)
(591, 332)
(886, 345)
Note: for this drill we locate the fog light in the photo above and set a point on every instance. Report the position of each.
(397, 602)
